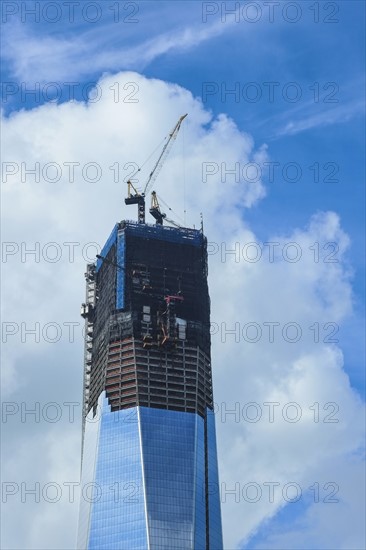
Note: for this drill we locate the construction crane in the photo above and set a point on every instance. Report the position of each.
(155, 209)
(157, 213)
(139, 198)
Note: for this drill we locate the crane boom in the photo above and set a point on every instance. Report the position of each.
(139, 198)
(163, 155)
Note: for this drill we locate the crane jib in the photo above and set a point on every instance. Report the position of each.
(139, 198)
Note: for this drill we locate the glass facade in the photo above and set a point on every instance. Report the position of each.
(169, 441)
(144, 482)
(214, 510)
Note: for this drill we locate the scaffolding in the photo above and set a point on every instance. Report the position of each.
(150, 343)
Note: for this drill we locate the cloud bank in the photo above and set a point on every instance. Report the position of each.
(276, 306)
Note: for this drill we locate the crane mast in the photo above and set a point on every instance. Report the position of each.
(139, 198)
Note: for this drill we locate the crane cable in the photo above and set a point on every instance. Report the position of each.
(148, 158)
(184, 177)
(163, 155)
(169, 208)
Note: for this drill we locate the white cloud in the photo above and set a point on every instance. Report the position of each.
(61, 58)
(334, 115)
(305, 292)
(310, 294)
(326, 524)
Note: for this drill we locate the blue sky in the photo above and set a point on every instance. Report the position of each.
(319, 57)
(328, 53)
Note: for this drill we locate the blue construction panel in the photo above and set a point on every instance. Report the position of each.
(165, 233)
(121, 258)
(109, 243)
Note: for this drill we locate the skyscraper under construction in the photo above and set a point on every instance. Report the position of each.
(149, 460)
